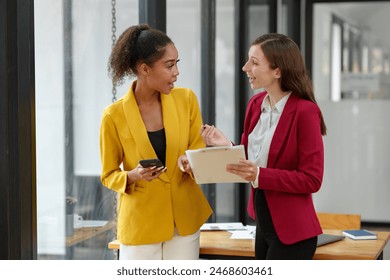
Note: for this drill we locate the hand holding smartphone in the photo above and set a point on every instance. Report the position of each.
(151, 162)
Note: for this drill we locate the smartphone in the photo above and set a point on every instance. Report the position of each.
(150, 162)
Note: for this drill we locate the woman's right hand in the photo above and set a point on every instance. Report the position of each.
(212, 136)
(141, 173)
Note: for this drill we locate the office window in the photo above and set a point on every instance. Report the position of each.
(225, 110)
(183, 27)
(73, 43)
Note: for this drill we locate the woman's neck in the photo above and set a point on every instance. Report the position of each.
(145, 95)
(275, 96)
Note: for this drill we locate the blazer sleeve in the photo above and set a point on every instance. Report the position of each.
(111, 153)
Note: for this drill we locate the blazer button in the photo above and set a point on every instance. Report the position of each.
(167, 185)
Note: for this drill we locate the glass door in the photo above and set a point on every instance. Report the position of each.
(351, 82)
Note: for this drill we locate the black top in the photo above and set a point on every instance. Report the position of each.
(157, 139)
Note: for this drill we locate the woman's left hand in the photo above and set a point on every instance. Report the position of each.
(245, 169)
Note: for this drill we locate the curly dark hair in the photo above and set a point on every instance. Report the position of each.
(137, 44)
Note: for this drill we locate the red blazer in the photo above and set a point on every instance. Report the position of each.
(294, 170)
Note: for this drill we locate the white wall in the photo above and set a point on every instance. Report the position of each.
(357, 159)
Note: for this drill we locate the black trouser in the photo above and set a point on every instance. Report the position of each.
(267, 244)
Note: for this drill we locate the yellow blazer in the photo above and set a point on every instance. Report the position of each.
(149, 211)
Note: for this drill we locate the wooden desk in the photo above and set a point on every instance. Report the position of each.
(219, 245)
(85, 233)
(349, 249)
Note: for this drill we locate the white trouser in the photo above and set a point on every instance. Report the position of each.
(178, 248)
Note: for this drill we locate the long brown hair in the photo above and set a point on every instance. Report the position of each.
(283, 53)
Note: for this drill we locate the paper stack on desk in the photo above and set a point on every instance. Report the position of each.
(238, 230)
(223, 226)
(249, 233)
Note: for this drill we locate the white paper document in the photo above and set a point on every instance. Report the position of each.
(242, 234)
(209, 164)
(223, 226)
(238, 230)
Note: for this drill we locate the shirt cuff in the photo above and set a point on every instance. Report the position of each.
(255, 183)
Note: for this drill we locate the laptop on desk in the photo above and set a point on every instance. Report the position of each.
(324, 239)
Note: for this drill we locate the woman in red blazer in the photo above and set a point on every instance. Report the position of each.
(282, 134)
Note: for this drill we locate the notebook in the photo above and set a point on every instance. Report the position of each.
(324, 239)
(360, 234)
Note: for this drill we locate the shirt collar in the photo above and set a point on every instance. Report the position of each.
(279, 106)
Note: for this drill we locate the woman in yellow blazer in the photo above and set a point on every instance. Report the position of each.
(160, 209)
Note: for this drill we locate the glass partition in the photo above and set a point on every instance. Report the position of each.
(225, 96)
(73, 41)
(183, 27)
(353, 58)
(351, 84)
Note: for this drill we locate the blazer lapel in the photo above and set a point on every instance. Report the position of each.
(172, 134)
(138, 130)
(136, 125)
(282, 129)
